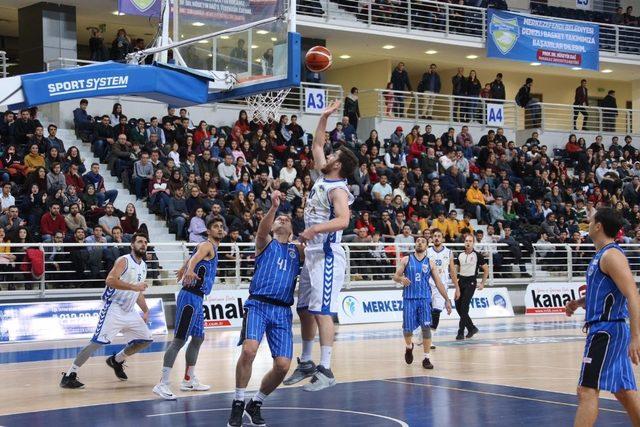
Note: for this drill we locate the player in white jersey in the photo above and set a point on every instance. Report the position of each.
(326, 215)
(125, 287)
(446, 270)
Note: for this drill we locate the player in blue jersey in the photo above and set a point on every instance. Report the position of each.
(197, 276)
(612, 343)
(268, 311)
(414, 272)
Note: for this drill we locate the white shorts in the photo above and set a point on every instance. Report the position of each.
(321, 279)
(437, 301)
(113, 319)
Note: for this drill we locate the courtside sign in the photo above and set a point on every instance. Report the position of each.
(551, 298)
(386, 306)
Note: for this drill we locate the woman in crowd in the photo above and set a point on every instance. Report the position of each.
(159, 193)
(73, 157)
(197, 227)
(202, 133)
(129, 222)
(116, 113)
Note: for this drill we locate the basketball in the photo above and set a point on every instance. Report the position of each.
(318, 59)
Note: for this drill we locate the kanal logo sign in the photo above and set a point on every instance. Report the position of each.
(349, 305)
(504, 32)
(143, 5)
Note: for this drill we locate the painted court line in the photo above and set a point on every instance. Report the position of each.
(290, 408)
(488, 393)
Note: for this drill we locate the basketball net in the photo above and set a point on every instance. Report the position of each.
(264, 105)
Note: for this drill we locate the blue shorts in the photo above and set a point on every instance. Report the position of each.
(606, 364)
(415, 313)
(189, 316)
(274, 320)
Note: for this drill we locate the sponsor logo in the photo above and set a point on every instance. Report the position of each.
(504, 32)
(349, 305)
(499, 301)
(292, 253)
(586, 360)
(143, 5)
(222, 314)
(425, 268)
(382, 306)
(552, 297)
(87, 85)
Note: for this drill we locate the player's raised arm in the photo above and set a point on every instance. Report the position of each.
(113, 279)
(399, 277)
(616, 265)
(440, 286)
(340, 200)
(204, 249)
(317, 149)
(262, 235)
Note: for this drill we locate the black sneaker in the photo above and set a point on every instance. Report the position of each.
(433, 347)
(118, 368)
(460, 336)
(408, 355)
(426, 363)
(237, 414)
(472, 332)
(253, 411)
(70, 381)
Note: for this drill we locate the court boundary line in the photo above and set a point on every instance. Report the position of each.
(490, 393)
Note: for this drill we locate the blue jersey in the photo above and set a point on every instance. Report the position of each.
(419, 272)
(604, 301)
(277, 267)
(206, 271)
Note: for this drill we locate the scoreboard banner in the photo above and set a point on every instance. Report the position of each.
(64, 320)
(386, 306)
(547, 41)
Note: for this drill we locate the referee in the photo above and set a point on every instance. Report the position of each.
(469, 264)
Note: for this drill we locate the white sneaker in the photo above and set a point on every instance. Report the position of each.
(322, 379)
(163, 390)
(193, 385)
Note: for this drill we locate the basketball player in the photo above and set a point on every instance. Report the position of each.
(414, 272)
(125, 285)
(268, 310)
(197, 276)
(326, 214)
(446, 270)
(612, 344)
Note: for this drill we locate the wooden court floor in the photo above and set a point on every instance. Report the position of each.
(538, 353)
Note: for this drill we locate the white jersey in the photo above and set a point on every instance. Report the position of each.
(133, 273)
(319, 209)
(442, 260)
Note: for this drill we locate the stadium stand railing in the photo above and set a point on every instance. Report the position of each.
(449, 21)
(559, 117)
(3, 64)
(369, 265)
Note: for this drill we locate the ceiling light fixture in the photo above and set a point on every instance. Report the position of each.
(431, 52)
(198, 24)
(262, 32)
(472, 56)
(535, 64)
(576, 68)
(254, 46)
(388, 46)
(607, 71)
(224, 37)
(345, 56)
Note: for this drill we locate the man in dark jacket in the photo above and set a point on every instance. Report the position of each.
(82, 121)
(453, 185)
(430, 85)
(178, 213)
(103, 138)
(400, 82)
(524, 100)
(459, 89)
(580, 102)
(611, 113)
(498, 90)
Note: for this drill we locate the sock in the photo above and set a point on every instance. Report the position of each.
(189, 373)
(259, 397)
(73, 368)
(166, 373)
(121, 357)
(409, 346)
(240, 394)
(426, 355)
(325, 356)
(307, 347)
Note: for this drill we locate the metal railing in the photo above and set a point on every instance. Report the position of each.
(3, 64)
(76, 269)
(58, 63)
(437, 107)
(562, 117)
(447, 20)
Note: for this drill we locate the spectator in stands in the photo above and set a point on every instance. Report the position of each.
(580, 102)
(108, 220)
(472, 90)
(82, 259)
(526, 101)
(618, 17)
(112, 253)
(33, 160)
(51, 222)
(74, 219)
(73, 157)
(351, 108)
(155, 129)
(73, 177)
(52, 140)
(513, 248)
(121, 46)
(476, 201)
(55, 179)
(142, 174)
(349, 131)
(459, 89)
(498, 90)
(453, 185)
(430, 85)
(197, 228)
(116, 114)
(400, 82)
(610, 114)
(93, 178)
(404, 241)
(629, 19)
(129, 222)
(227, 173)
(158, 193)
(178, 213)
(11, 222)
(103, 138)
(51, 157)
(24, 129)
(6, 198)
(138, 133)
(82, 121)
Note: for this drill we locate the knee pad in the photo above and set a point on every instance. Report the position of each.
(426, 332)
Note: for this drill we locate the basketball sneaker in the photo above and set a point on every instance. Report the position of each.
(426, 363)
(253, 411)
(433, 347)
(304, 370)
(323, 378)
(472, 332)
(163, 390)
(460, 336)
(237, 414)
(70, 381)
(118, 368)
(408, 355)
(193, 385)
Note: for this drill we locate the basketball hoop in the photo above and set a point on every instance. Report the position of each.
(264, 105)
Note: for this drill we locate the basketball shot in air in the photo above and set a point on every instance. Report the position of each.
(318, 59)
